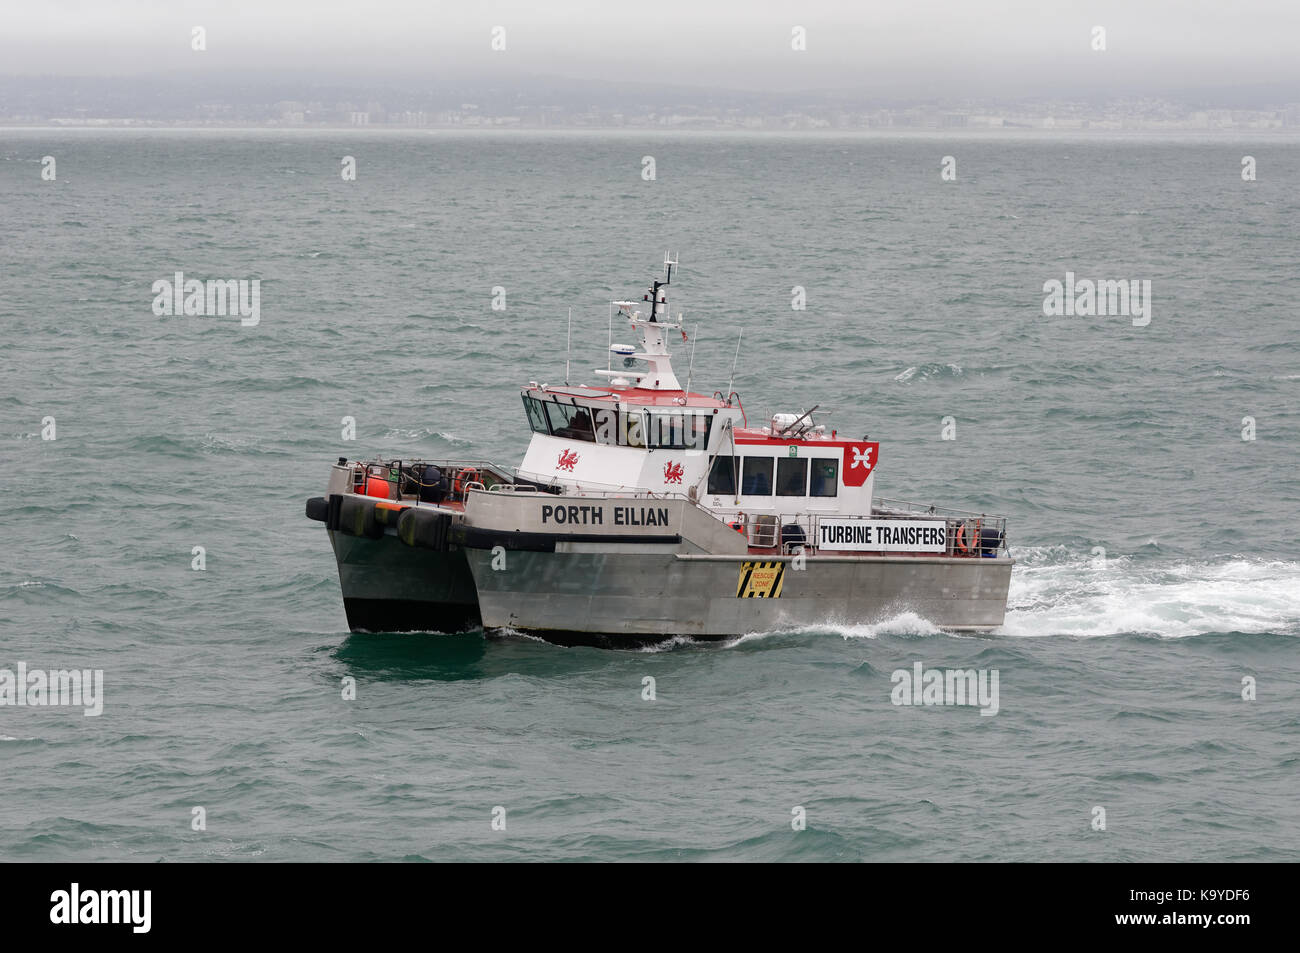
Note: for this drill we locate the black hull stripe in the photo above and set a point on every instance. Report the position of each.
(476, 537)
(409, 615)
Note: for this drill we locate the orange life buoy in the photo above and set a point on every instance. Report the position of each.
(963, 543)
(463, 479)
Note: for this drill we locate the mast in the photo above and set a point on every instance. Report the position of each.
(659, 303)
(653, 330)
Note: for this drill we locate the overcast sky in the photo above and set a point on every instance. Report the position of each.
(945, 48)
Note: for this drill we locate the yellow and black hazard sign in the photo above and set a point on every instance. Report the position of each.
(761, 580)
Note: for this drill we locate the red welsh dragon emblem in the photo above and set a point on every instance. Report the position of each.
(568, 458)
(672, 472)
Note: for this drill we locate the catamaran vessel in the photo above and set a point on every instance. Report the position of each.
(642, 512)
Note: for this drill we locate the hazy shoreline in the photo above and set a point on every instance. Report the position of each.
(1046, 135)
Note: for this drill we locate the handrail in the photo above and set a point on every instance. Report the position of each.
(443, 463)
(743, 416)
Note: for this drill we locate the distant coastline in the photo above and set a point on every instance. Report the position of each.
(1001, 133)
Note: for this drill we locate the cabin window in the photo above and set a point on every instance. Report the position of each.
(722, 476)
(756, 479)
(792, 476)
(825, 478)
(697, 431)
(632, 428)
(606, 426)
(536, 415)
(620, 428)
(568, 420)
(680, 431)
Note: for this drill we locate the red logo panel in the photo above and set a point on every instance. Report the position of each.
(859, 462)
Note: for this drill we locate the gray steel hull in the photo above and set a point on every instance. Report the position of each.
(580, 591)
(391, 587)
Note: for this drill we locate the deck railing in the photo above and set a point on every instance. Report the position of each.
(967, 534)
(460, 475)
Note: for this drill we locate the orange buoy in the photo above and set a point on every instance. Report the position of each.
(377, 486)
(464, 478)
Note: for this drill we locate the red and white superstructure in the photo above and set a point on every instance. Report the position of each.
(642, 432)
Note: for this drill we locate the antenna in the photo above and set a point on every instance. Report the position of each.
(690, 370)
(659, 304)
(568, 348)
(733, 363)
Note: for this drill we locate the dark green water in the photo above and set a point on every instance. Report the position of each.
(1120, 673)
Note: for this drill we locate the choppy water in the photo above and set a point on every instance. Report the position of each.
(1120, 671)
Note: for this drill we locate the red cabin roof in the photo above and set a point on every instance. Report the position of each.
(754, 435)
(633, 395)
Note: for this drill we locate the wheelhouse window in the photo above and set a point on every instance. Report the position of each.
(620, 428)
(536, 415)
(825, 479)
(632, 428)
(568, 420)
(722, 476)
(756, 477)
(697, 431)
(680, 431)
(792, 476)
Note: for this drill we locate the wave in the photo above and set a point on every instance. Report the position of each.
(1055, 591)
(905, 623)
(422, 433)
(36, 591)
(925, 371)
(270, 385)
(189, 447)
(670, 645)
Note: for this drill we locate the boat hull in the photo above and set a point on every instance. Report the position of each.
(578, 593)
(391, 587)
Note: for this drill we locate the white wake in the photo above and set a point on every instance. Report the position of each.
(1055, 591)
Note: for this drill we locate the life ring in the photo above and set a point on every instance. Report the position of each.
(463, 479)
(963, 543)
